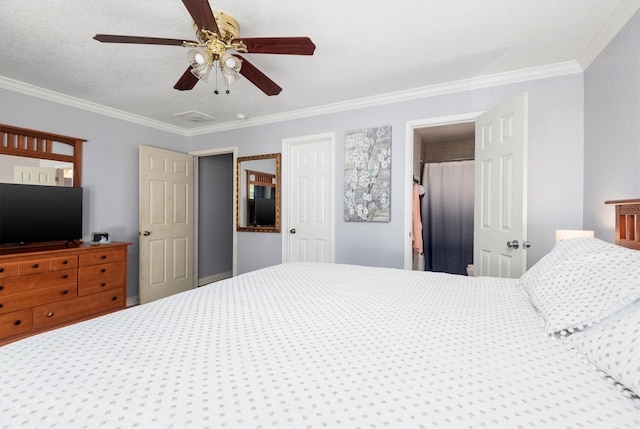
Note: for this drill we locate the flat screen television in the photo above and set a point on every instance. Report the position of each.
(263, 212)
(36, 213)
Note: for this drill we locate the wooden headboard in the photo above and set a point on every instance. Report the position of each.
(627, 222)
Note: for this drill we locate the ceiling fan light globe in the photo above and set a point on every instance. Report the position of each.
(198, 58)
(229, 78)
(201, 72)
(230, 62)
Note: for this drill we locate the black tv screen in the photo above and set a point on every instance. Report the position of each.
(35, 213)
(264, 212)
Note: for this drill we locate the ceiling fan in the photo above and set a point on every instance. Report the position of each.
(217, 34)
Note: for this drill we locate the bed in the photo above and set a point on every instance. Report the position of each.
(314, 345)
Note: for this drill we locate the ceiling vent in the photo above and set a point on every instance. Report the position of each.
(195, 116)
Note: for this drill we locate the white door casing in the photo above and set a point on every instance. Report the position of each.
(166, 223)
(410, 127)
(233, 151)
(308, 198)
(500, 204)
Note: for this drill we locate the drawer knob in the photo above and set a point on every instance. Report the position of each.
(50, 314)
(114, 298)
(65, 262)
(104, 270)
(17, 322)
(35, 265)
(1, 287)
(1, 270)
(64, 292)
(104, 256)
(1, 305)
(103, 284)
(65, 276)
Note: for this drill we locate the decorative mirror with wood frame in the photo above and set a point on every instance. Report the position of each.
(25, 144)
(258, 193)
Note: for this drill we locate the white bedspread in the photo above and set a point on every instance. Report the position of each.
(312, 346)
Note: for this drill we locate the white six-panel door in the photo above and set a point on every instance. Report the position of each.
(38, 175)
(500, 208)
(166, 223)
(309, 199)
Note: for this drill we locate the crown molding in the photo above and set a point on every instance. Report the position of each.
(542, 72)
(67, 100)
(618, 19)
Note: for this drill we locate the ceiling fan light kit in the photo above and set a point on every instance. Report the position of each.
(218, 35)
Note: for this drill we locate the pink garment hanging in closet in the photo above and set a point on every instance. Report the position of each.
(416, 221)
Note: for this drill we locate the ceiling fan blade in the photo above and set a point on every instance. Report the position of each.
(259, 79)
(112, 38)
(202, 15)
(187, 81)
(278, 45)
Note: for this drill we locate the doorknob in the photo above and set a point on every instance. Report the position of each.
(513, 244)
(292, 230)
(526, 244)
(145, 233)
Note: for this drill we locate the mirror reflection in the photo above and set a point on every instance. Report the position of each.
(20, 169)
(258, 193)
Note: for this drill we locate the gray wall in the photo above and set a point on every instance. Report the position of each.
(612, 129)
(555, 175)
(110, 163)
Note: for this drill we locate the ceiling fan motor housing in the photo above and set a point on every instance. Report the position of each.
(216, 44)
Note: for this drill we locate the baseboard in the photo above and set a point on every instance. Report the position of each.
(134, 300)
(214, 278)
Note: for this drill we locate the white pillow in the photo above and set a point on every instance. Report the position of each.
(614, 347)
(561, 251)
(584, 281)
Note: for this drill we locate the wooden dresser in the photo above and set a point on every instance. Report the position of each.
(42, 288)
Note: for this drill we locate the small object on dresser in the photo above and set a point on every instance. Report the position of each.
(100, 238)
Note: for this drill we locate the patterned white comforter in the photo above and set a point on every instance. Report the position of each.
(312, 346)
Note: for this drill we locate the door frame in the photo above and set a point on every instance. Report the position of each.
(410, 126)
(284, 188)
(196, 199)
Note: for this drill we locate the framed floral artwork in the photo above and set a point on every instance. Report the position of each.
(367, 175)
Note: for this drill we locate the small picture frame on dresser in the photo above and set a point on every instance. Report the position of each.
(100, 238)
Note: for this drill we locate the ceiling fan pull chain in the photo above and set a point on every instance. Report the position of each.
(215, 91)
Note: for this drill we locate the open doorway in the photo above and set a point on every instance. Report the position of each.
(446, 180)
(215, 233)
(443, 129)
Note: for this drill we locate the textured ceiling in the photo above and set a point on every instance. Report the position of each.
(365, 49)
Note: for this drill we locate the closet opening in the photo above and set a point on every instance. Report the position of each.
(445, 179)
(215, 214)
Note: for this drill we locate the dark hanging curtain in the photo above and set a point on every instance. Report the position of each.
(447, 216)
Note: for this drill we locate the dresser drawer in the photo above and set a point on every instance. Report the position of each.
(43, 287)
(8, 269)
(106, 256)
(16, 323)
(64, 262)
(98, 278)
(56, 313)
(22, 284)
(29, 299)
(34, 266)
